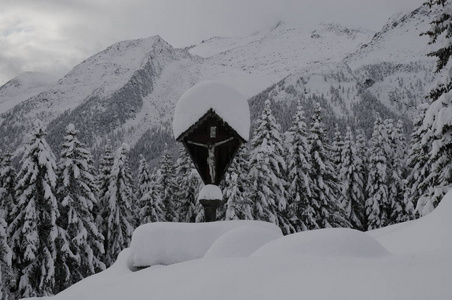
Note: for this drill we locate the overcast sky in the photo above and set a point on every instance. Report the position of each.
(53, 36)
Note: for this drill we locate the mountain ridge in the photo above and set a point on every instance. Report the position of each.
(127, 91)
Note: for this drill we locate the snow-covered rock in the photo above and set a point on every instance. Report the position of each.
(169, 243)
(226, 102)
(324, 243)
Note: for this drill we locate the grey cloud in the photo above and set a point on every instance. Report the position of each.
(53, 35)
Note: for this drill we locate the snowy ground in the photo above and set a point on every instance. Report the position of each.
(412, 260)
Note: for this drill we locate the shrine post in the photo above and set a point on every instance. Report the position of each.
(212, 121)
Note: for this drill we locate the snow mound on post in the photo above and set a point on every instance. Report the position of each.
(229, 104)
(242, 241)
(168, 243)
(324, 243)
(210, 192)
(429, 234)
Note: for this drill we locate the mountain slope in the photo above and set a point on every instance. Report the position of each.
(23, 87)
(394, 64)
(127, 92)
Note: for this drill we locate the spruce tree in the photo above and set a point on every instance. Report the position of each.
(419, 163)
(238, 205)
(77, 193)
(7, 187)
(352, 183)
(377, 203)
(437, 122)
(33, 231)
(336, 149)
(401, 209)
(302, 214)
(362, 166)
(120, 222)
(103, 182)
(267, 172)
(188, 186)
(152, 209)
(6, 275)
(324, 191)
(166, 186)
(144, 178)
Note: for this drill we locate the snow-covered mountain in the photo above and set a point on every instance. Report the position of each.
(127, 92)
(389, 74)
(23, 87)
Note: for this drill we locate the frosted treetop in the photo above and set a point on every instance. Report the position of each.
(227, 103)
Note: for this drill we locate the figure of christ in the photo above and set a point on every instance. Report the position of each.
(211, 154)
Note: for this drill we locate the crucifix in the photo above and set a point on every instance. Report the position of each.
(212, 121)
(211, 154)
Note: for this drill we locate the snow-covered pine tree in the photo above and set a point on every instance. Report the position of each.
(419, 163)
(352, 183)
(103, 181)
(362, 151)
(267, 168)
(77, 190)
(5, 263)
(438, 122)
(336, 149)
(7, 187)
(189, 184)
(144, 178)
(34, 231)
(324, 190)
(377, 203)
(236, 189)
(166, 186)
(401, 210)
(120, 222)
(302, 215)
(152, 209)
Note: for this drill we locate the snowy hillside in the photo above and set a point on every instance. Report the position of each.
(391, 74)
(406, 261)
(279, 52)
(23, 87)
(395, 64)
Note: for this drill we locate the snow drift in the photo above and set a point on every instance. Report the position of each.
(320, 264)
(429, 234)
(170, 243)
(325, 243)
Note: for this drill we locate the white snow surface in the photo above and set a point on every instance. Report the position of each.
(429, 234)
(242, 241)
(210, 192)
(229, 104)
(328, 242)
(22, 87)
(169, 243)
(416, 265)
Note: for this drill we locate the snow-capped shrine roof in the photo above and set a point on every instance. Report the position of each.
(226, 102)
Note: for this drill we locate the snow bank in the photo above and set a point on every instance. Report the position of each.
(242, 241)
(429, 234)
(169, 243)
(229, 104)
(325, 243)
(113, 276)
